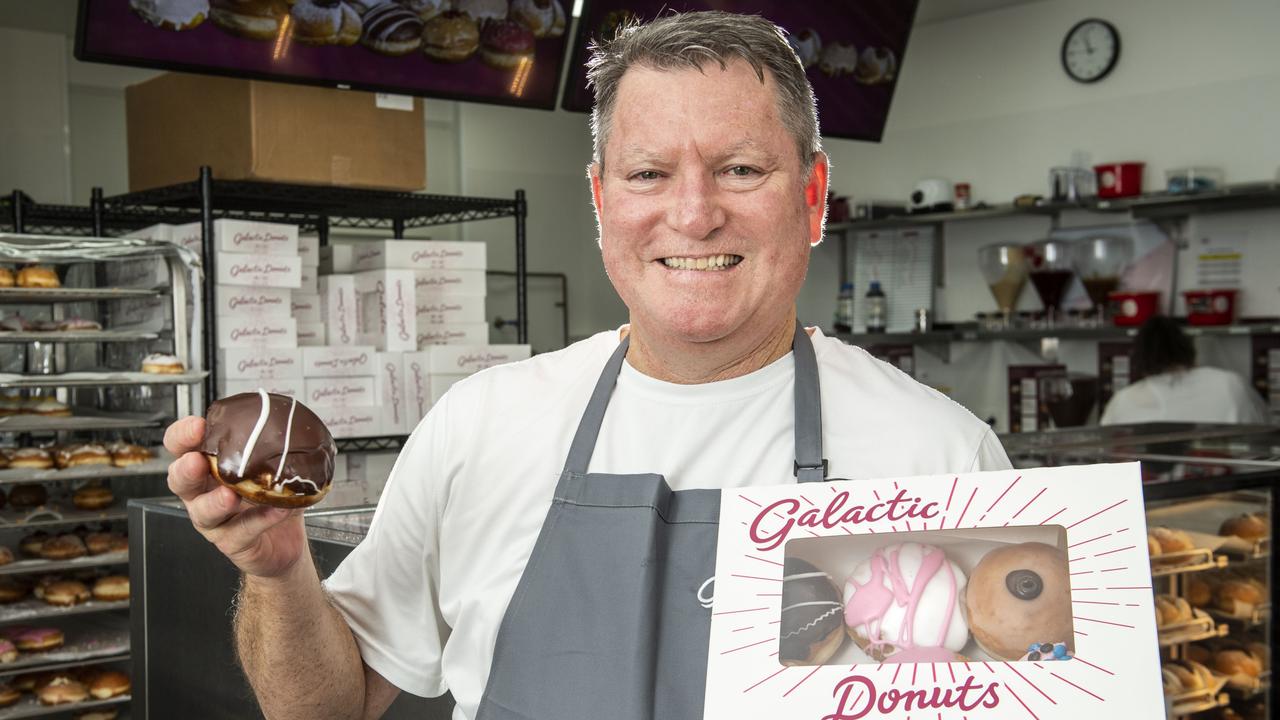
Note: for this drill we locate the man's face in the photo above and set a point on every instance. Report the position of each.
(706, 216)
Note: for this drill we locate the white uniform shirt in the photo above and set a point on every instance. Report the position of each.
(425, 592)
(1202, 394)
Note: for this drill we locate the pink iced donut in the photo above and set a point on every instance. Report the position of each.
(8, 651)
(39, 639)
(902, 604)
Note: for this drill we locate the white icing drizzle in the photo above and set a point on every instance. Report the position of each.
(813, 603)
(284, 452)
(814, 623)
(257, 430)
(802, 576)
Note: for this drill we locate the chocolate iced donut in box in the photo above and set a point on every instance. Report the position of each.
(903, 605)
(812, 626)
(271, 449)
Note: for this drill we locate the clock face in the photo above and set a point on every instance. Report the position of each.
(1090, 50)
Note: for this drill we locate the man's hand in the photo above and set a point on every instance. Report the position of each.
(262, 541)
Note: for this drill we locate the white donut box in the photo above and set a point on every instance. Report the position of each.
(1094, 513)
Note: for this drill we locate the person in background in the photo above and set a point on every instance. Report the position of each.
(1169, 387)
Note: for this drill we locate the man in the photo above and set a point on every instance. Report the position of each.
(534, 586)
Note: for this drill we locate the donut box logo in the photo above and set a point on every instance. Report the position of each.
(436, 282)
(440, 337)
(1012, 594)
(393, 393)
(418, 385)
(344, 332)
(255, 301)
(266, 363)
(344, 393)
(260, 238)
(342, 362)
(482, 360)
(367, 255)
(258, 333)
(263, 268)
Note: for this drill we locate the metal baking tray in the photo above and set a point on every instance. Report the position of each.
(99, 379)
(158, 465)
(82, 419)
(76, 336)
(51, 516)
(33, 609)
(42, 566)
(37, 296)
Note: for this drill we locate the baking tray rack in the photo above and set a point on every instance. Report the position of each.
(50, 516)
(42, 566)
(87, 637)
(76, 336)
(1259, 615)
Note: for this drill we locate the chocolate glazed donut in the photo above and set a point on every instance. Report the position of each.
(812, 627)
(270, 449)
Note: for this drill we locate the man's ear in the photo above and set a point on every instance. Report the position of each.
(815, 197)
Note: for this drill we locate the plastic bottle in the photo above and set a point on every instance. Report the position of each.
(844, 308)
(877, 308)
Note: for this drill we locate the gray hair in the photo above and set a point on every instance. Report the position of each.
(689, 40)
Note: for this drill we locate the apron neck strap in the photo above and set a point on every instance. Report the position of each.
(809, 464)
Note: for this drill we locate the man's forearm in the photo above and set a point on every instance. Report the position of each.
(296, 649)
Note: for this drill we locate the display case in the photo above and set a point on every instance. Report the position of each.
(1210, 505)
(184, 659)
(80, 430)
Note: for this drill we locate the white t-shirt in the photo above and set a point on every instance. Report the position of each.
(1202, 394)
(427, 589)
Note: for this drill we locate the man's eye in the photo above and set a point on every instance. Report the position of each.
(647, 175)
(742, 171)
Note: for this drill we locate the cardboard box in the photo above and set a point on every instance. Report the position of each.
(392, 394)
(308, 279)
(460, 334)
(468, 359)
(1093, 585)
(387, 312)
(305, 307)
(259, 333)
(309, 250)
(440, 384)
(145, 314)
(311, 334)
(245, 302)
(291, 387)
(421, 255)
(254, 130)
(434, 284)
(152, 272)
(340, 392)
(259, 271)
(338, 361)
(255, 364)
(252, 237)
(417, 383)
(450, 310)
(337, 258)
(190, 236)
(338, 306)
(344, 422)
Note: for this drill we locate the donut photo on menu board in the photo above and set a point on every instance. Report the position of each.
(852, 50)
(507, 52)
(1010, 594)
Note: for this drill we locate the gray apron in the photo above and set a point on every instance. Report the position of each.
(611, 618)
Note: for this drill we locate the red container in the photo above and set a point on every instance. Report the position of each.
(1133, 308)
(1117, 180)
(1210, 307)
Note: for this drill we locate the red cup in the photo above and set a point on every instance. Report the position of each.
(1133, 308)
(1117, 180)
(1210, 307)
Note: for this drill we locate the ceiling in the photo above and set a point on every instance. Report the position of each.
(59, 16)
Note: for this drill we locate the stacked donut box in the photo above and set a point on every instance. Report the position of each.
(1012, 594)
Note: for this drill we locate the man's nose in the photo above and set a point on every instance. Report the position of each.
(696, 210)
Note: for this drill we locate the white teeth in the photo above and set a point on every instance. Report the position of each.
(714, 262)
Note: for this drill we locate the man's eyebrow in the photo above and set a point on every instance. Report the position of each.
(639, 153)
(747, 145)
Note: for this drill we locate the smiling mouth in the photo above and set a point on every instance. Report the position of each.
(714, 262)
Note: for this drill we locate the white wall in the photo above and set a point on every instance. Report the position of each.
(34, 139)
